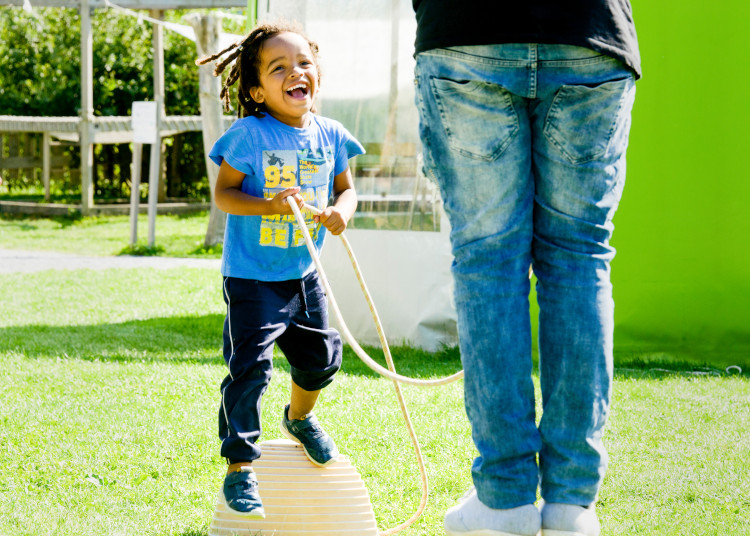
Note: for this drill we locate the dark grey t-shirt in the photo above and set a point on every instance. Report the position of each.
(602, 25)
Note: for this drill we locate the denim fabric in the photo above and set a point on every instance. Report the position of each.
(527, 144)
(292, 314)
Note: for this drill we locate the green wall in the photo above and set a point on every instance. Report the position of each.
(682, 270)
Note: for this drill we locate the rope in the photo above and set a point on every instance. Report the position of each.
(390, 372)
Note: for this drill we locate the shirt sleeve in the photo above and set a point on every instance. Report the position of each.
(349, 147)
(234, 146)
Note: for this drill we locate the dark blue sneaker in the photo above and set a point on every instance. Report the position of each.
(317, 444)
(241, 494)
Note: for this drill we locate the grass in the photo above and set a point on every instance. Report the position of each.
(176, 235)
(109, 392)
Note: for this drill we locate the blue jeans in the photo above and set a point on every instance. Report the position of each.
(527, 144)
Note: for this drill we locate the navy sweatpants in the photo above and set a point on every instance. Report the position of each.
(292, 314)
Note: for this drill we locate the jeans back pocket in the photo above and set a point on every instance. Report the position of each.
(583, 119)
(478, 117)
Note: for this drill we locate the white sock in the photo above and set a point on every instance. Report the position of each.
(472, 515)
(571, 518)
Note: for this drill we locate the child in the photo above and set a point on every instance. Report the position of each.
(278, 152)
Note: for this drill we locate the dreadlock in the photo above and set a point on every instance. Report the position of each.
(246, 68)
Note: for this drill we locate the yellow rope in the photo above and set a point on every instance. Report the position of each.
(390, 372)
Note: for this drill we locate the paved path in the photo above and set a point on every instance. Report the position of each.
(14, 260)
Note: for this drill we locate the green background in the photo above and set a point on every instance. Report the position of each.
(682, 271)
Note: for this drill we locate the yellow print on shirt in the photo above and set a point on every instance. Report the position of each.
(284, 177)
(307, 171)
(281, 230)
(314, 165)
(279, 169)
(274, 234)
(298, 238)
(308, 168)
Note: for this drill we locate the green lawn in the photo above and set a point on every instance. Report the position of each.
(109, 395)
(176, 235)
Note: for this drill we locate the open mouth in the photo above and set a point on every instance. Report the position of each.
(299, 91)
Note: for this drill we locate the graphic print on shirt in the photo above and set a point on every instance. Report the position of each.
(310, 169)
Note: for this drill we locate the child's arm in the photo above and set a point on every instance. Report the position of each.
(336, 217)
(231, 199)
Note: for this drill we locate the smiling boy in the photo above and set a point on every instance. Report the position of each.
(278, 152)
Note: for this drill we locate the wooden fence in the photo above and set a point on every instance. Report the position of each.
(22, 159)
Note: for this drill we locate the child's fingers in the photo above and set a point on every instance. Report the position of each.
(323, 216)
(333, 221)
(336, 227)
(293, 193)
(283, 194)
(283, 198)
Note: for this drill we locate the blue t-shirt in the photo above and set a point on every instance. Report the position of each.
(274, 156)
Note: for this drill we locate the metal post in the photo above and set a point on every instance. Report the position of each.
(154, 170)
(135, 191)
(46, 162)
(86, 135)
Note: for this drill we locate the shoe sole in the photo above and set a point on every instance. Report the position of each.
(290, 435)
(258, 513)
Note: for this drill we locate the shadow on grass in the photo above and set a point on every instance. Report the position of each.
(25, 221)
(198, 339)
(189, 339)
(661, 361)
(412, 362)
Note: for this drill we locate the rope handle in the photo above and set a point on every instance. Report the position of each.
(390, 372)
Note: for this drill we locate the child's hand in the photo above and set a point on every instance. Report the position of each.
(280, 202)
(333, 220)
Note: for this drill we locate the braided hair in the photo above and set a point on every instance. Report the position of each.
(246, 68)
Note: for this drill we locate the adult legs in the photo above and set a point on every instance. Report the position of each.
(475, 132)
(580, 130)
(485, 113)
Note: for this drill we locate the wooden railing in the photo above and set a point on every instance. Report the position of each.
(31, 148)
(22, 159)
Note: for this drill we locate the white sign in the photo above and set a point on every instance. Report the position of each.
(143, 122)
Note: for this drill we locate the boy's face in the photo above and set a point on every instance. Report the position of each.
(288, 78)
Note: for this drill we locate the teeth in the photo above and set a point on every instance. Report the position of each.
(298, 86)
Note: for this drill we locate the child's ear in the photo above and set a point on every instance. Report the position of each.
(256, 93)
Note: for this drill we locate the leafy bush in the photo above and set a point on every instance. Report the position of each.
(40, 64)
(40, 76)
